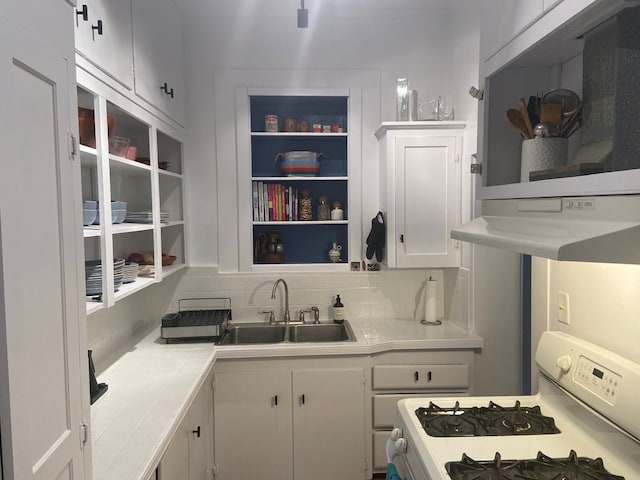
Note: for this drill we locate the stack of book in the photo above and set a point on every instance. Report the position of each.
(273, 202)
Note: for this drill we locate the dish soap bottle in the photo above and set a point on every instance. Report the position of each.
(338, 311)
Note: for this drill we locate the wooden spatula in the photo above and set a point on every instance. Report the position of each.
(525, 116)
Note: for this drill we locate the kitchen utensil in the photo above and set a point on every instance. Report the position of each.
(567, 99)
(533, 107)
(525, 116)
(514, 118)
(551, 114)
(197, 318)
(541, 130)
(572, 122)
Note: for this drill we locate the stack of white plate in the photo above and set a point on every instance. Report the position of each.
(93, 275)
(145, 217)
(130, 272)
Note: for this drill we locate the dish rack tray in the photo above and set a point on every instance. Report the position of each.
(197, 318)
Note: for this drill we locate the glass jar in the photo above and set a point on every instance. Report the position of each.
(323, 209)
(304, 206)
(336, 212)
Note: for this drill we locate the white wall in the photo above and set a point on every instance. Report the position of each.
(406, 38)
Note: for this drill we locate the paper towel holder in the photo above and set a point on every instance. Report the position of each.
(429, 319)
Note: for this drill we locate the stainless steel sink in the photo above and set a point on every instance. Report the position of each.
(253, 333)
(261, 333)
(324, 332)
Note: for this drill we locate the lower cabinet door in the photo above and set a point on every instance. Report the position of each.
(175, 462)
(252, 417)
(328, 424)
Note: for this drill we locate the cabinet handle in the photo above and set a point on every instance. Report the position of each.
(84, 11)
(197, 432)
(97, 28)
(429, 376)
(302, 399)
(416, 376)
(275, 400)
(401, 238)
(165, 89)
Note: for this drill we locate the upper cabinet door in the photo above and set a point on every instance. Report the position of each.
(427, 201)
(104, 38)
(41, 371)
(502, 20)
(158, 53)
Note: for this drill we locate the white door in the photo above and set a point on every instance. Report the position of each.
(252, 415)
(328, 424)
(41, 362)
(427, 201)
(175, 462)
(200, 432)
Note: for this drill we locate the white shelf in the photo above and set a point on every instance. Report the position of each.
(303, 267)
(93, 307)
(128, 167)
(172, 223)
(303, 222)
(171, 269)
(168, 174)
(297, 134)
(90, 231)
(119, 228)
(88, 157)
(298, 179)
(127, 289)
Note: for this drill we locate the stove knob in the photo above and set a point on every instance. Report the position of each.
(400, 445)
(396, 433)
(564, 363)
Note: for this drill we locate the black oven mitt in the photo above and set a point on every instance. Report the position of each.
(375, 240)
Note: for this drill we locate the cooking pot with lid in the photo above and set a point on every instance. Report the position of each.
(299, 163)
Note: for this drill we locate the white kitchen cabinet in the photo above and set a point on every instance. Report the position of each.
(188, 456)
(252, 418)
(274, 422)
(547, 55)
(44, 370)
(104, 37)
(420, 191)
(398, 375)
(150, 183)
(502, 20)
(158, 53)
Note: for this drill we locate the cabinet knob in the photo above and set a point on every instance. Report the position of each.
(84, 12)
(401, 238)
(416, 376)
(97, 28)
(196, 432)
(302, 399)
(275, 400)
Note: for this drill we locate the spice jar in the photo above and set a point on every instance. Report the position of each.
(336, 212)
(323, 209)
(304, 206)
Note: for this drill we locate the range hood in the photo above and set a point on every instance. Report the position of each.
(584, 229)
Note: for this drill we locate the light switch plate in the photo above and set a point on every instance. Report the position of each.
(562, 306)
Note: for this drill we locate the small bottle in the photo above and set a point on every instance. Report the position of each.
(338, 311)
(323, 209)
(337, 213)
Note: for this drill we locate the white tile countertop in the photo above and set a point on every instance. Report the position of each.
(152, 386)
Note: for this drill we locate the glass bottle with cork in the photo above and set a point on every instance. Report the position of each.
(324, 213)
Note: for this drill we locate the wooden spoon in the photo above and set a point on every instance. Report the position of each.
(514, 119)
(525, 115)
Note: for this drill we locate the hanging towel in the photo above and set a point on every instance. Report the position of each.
(392, 472)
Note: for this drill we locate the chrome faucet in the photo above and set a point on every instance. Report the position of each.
(287, 315)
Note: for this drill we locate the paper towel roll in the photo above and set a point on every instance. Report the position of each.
(430, 299)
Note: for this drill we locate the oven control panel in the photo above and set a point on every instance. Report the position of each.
(598, 379)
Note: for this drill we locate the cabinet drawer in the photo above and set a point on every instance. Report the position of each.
(384, 408)
(379, 451)
(413, 377)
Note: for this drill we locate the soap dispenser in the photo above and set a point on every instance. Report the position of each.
(338, 311)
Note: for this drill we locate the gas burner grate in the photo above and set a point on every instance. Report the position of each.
(492, 420)
(542, 467)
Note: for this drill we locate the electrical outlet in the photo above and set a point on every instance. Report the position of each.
(562, 305)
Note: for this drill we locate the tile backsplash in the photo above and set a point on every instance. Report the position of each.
(386, 294)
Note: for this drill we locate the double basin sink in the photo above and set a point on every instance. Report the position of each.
(264, 333)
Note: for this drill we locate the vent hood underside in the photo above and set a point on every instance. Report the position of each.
(583, 229)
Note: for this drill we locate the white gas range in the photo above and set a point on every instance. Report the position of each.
(588, 400)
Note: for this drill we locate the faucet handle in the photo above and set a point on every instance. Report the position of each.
(272, 316)
(316, 314)
(301, 316)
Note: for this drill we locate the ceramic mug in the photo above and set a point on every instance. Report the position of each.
(271, 123)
